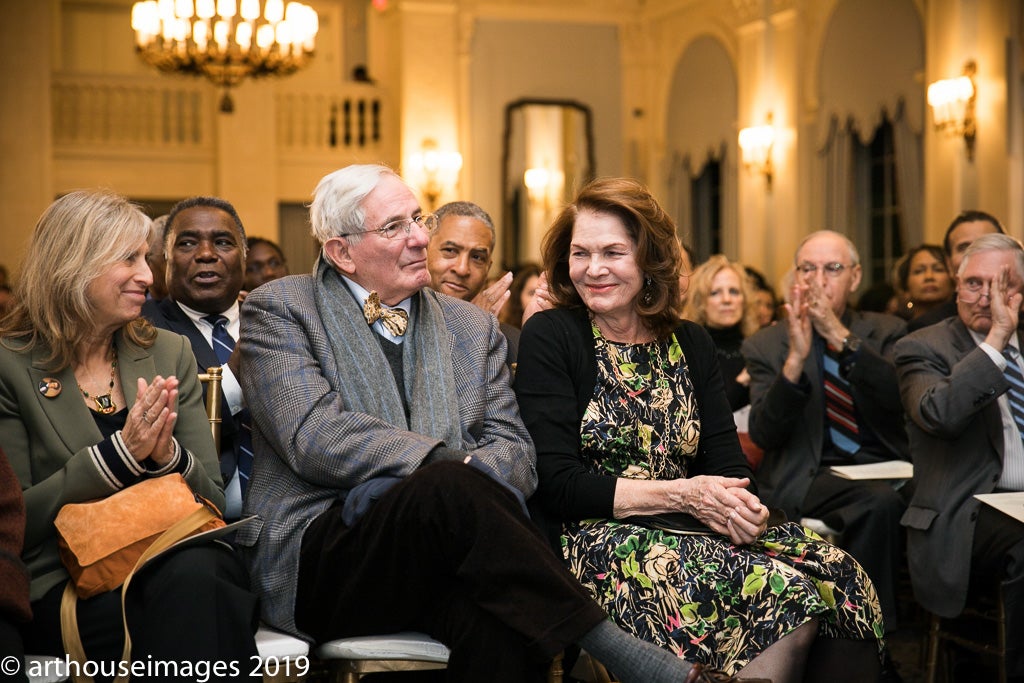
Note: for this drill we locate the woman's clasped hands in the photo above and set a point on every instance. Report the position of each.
(726, 506)
(149, 428)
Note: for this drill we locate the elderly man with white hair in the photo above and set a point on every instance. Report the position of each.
(962, 382)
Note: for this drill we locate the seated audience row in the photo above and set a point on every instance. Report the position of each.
(360, 399)
(367, 456)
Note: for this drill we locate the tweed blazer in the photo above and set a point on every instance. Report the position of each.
(310, 449)
(788, 421)
(48, 440)
(950, 388)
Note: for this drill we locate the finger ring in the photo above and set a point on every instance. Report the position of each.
(145, 417)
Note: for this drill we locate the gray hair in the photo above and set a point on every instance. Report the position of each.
(995, 242)
(469, 210)
(854, 256)
(337, 206)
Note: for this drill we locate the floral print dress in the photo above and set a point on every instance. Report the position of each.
(699, 596)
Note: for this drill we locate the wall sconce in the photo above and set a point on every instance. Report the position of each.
(543, 184)
(756, 144)
(952, 102)
(436, 170)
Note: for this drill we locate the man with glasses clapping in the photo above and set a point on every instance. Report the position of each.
(823, 392)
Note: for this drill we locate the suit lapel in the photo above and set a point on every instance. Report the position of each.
(179, 322)
(68, 410)
(964, 343)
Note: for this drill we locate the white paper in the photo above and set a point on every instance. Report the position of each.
(742, 419)
(890, 469)
(1011, 502)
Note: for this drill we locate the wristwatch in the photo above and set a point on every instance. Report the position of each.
(851, 344)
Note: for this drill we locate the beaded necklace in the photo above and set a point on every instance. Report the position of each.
(104, 402)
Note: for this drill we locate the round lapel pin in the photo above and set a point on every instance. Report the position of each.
(49, 387)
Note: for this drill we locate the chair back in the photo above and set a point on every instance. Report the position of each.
(212, 379)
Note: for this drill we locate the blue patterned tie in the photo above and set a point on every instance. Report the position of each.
(1016, 393)
(223, 345)
(841, 416)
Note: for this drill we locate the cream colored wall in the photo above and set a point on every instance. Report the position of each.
(547, 59)
(990, 34)
(26, 167)
(450, 66)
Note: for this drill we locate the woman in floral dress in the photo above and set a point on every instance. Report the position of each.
(627, 408)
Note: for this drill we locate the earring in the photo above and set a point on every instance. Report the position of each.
(648, 296)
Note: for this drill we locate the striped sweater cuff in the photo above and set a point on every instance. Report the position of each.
(115, 463)
(180, 462)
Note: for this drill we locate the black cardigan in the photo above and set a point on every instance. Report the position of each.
(554, 383)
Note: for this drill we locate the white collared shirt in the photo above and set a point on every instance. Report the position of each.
(1012, 477)
(229, 383)
(363, 294)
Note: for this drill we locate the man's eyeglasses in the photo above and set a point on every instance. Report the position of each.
(830, 269)
(427, 221)
(972, 289)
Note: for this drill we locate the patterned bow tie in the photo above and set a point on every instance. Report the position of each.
(395, 320)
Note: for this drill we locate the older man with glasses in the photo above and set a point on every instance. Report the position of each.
(962, 382)
(391, 462)
(823, 392)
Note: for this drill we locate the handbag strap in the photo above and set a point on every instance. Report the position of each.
(68, 612)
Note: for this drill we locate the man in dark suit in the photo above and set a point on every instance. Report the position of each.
(204, 245)
(961, 383)
(823, 392)
(965, 228)
(391, 461)
(459, 258)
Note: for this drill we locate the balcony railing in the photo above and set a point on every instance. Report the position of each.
(114, 116)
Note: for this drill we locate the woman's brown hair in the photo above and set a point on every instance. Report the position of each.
(657, 253)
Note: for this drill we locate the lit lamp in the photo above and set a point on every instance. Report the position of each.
(437, 169)
(542, 184)
(952, 102)
(756, 146)
(224, 40)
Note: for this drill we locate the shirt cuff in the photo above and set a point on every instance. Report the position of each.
(996, 357)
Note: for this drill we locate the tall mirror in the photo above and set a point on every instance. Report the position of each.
(548, 157)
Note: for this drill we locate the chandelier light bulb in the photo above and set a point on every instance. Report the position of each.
(224, 40)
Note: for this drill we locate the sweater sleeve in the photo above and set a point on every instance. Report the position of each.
(719, 452)
(554, 377)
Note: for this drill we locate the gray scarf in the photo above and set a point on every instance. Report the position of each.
(426, 359)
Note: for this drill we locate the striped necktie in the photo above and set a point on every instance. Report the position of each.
(223, 345)
(840, 413)
(1016, 393)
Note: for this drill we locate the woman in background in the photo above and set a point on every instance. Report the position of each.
(720, 300)
(924, 279)
(522, 289)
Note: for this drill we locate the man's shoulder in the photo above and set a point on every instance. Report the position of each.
(458, 312)
(941, 334)
(880, 322)
(774, 336)
(290, 288)
(164, 313)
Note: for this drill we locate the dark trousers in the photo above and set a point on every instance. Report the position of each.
(447, 552)
(998, 558)
(192, 606)
(11, 670)
(867, 514)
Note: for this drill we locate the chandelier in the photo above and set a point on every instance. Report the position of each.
(224, 40)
